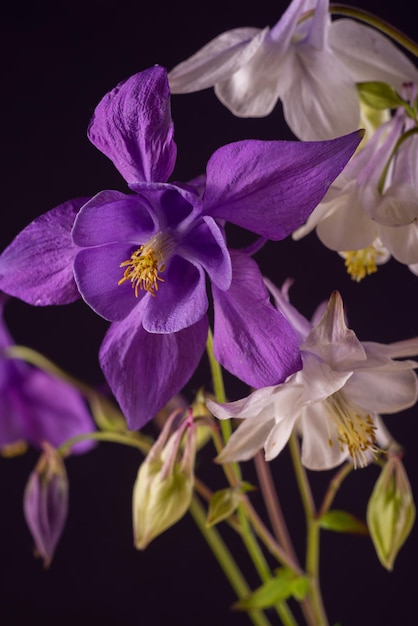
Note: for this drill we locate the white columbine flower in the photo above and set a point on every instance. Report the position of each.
(370, 212)
(334, 402)
(308, 62)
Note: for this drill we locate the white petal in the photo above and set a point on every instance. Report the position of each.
(398, 349)
(279, 437)
(369, 55)
(247, 440)
(319, 380)
(246, 407)
(321, 101)
(401, 241)
(216, 61)
(299, 323)
(318, 453)
(382, 391)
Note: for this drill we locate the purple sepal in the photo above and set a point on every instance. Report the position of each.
(132, 126)
(37, 267)
(145, 370)
(252, 340)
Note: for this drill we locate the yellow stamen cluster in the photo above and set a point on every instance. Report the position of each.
(143, 269)
(355, 430)
(361, 263)
(10, 450)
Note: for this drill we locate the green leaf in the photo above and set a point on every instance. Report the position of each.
(286, 584)
(343, 522)
(222, 504)
(379, 95)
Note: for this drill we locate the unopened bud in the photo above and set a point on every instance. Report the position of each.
(45, 502)
(164, 485)
(391, 511)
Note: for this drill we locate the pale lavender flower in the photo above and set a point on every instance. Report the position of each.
(308, 62)
(334, 402)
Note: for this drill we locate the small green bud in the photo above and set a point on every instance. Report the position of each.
(164, 486)
(391, 511)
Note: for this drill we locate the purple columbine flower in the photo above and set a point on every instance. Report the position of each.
(142, 260)
(36, 407)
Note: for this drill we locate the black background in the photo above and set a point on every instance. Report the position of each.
(57, 60)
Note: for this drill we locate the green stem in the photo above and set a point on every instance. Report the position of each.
(261, 564)
(377, 22)
(334, 486)
(313, 535)
(129, 439)
(225, 560)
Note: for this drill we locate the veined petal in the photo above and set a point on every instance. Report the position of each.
(321, 100)
(247, 439)
(132, 126)
(397, 349)
(299, 323)
(319, 379)
(401, 241)
(252, 405)
(53, 411)
(205, 244)
(332, 341)
(37, 266)
(216, 61)
(181, 300)
(279, 436)
(319, 451)
(113, 217)
(282, 180)
(382, 391)
(98, 272)
(369, 55)
(252, 341)
(145, 370)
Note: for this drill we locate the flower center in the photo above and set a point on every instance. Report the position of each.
(355, 429)
(360, 263)
(144, 266)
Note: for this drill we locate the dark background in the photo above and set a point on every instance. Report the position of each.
(57, 60)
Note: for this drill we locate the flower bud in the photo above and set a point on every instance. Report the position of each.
(45, 502)
(164, 485)
(391, 511)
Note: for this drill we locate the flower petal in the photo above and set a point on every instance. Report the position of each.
(281, 180)
(37, 266)
(132, 126)
(252, 340)
(216, 61)
(369, 55)
(181, 300)
(145, 370)
(112, 217)
(205, 244)
(383, 390)
(332, 341)
(279, 436)
(98, 272)
(318, 451)
(247, 439)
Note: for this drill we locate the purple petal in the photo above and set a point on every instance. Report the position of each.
(181, 300)
(97, 272)
(271, 187)
(145, 370)
(112, 217)
(205, 244)
(170, 204)
(132, 126)
(252, 340)
(53, 411)
(37, 266)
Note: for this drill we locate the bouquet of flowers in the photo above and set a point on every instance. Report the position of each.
(212, 373)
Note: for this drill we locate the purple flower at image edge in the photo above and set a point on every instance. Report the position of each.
(141, 260)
